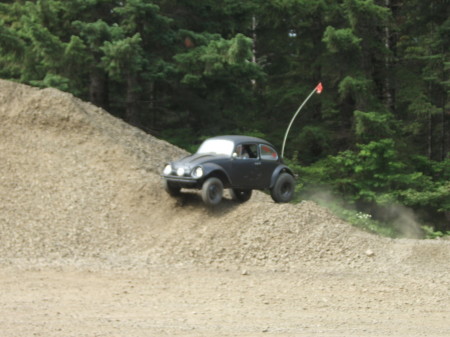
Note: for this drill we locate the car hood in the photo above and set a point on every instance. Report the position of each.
(197, 159)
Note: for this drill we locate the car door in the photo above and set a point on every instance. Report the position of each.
(269, 162)
(246, 166)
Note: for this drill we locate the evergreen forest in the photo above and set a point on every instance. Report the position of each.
(377, 136)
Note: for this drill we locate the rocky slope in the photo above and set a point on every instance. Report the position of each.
(80, 187)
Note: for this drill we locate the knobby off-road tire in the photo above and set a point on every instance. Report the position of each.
(212, 191)
(172, 190)
(240, 195)
(283, 190)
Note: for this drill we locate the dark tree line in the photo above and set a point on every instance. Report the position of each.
(184, 70)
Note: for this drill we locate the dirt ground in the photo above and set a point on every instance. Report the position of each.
(202, 302)
(90, 245)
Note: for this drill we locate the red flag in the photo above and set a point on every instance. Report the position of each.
(319, 88)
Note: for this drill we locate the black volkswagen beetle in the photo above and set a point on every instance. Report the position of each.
(240, 163)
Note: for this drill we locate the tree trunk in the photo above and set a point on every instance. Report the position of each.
(132, 98)
(387, 91)
(151, 104)
(445, 134)
(430, 136)
(445, 143)
(254, 36)
(98, 89)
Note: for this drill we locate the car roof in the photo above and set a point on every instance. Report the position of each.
(242, 139)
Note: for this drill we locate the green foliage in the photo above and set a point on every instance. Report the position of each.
(123, 56)
(365, 221)
(218, 58)
(53, 81)
(142, 16)
(373, 125)
(182, 137)
(346, 211)
(311, 142)
(10, 43)
(218, 78)
(377, 176)
(338, 40)
(358, 88)
(375, 168)
(430, 233)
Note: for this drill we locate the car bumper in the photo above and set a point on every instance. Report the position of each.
(183, 182)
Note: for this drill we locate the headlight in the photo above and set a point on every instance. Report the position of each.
(180, 172)
(167, 170)
(197, 172)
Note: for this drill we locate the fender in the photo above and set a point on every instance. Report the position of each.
(212, 169)
(280, 169)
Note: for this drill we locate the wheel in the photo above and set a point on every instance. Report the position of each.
(171, 189)
(212, 191)
(283, 190)
(240, 195)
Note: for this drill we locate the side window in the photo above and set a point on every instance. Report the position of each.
(268, 153)
(246, 151)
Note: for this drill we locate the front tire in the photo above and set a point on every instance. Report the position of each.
(240, 195)
(283, 190)
(212, 191)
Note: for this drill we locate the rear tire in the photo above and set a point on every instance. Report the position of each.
(240, 195)
(212, 191)
(284, 188)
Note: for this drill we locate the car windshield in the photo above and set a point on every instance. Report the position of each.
(217, 146)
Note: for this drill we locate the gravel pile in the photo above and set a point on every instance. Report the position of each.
(80, 187)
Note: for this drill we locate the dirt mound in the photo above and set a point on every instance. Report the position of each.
(79, 186)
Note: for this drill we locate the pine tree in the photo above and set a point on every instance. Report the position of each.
(141, 56)
(423, 76)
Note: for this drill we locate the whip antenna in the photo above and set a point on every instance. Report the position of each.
(317, 89)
